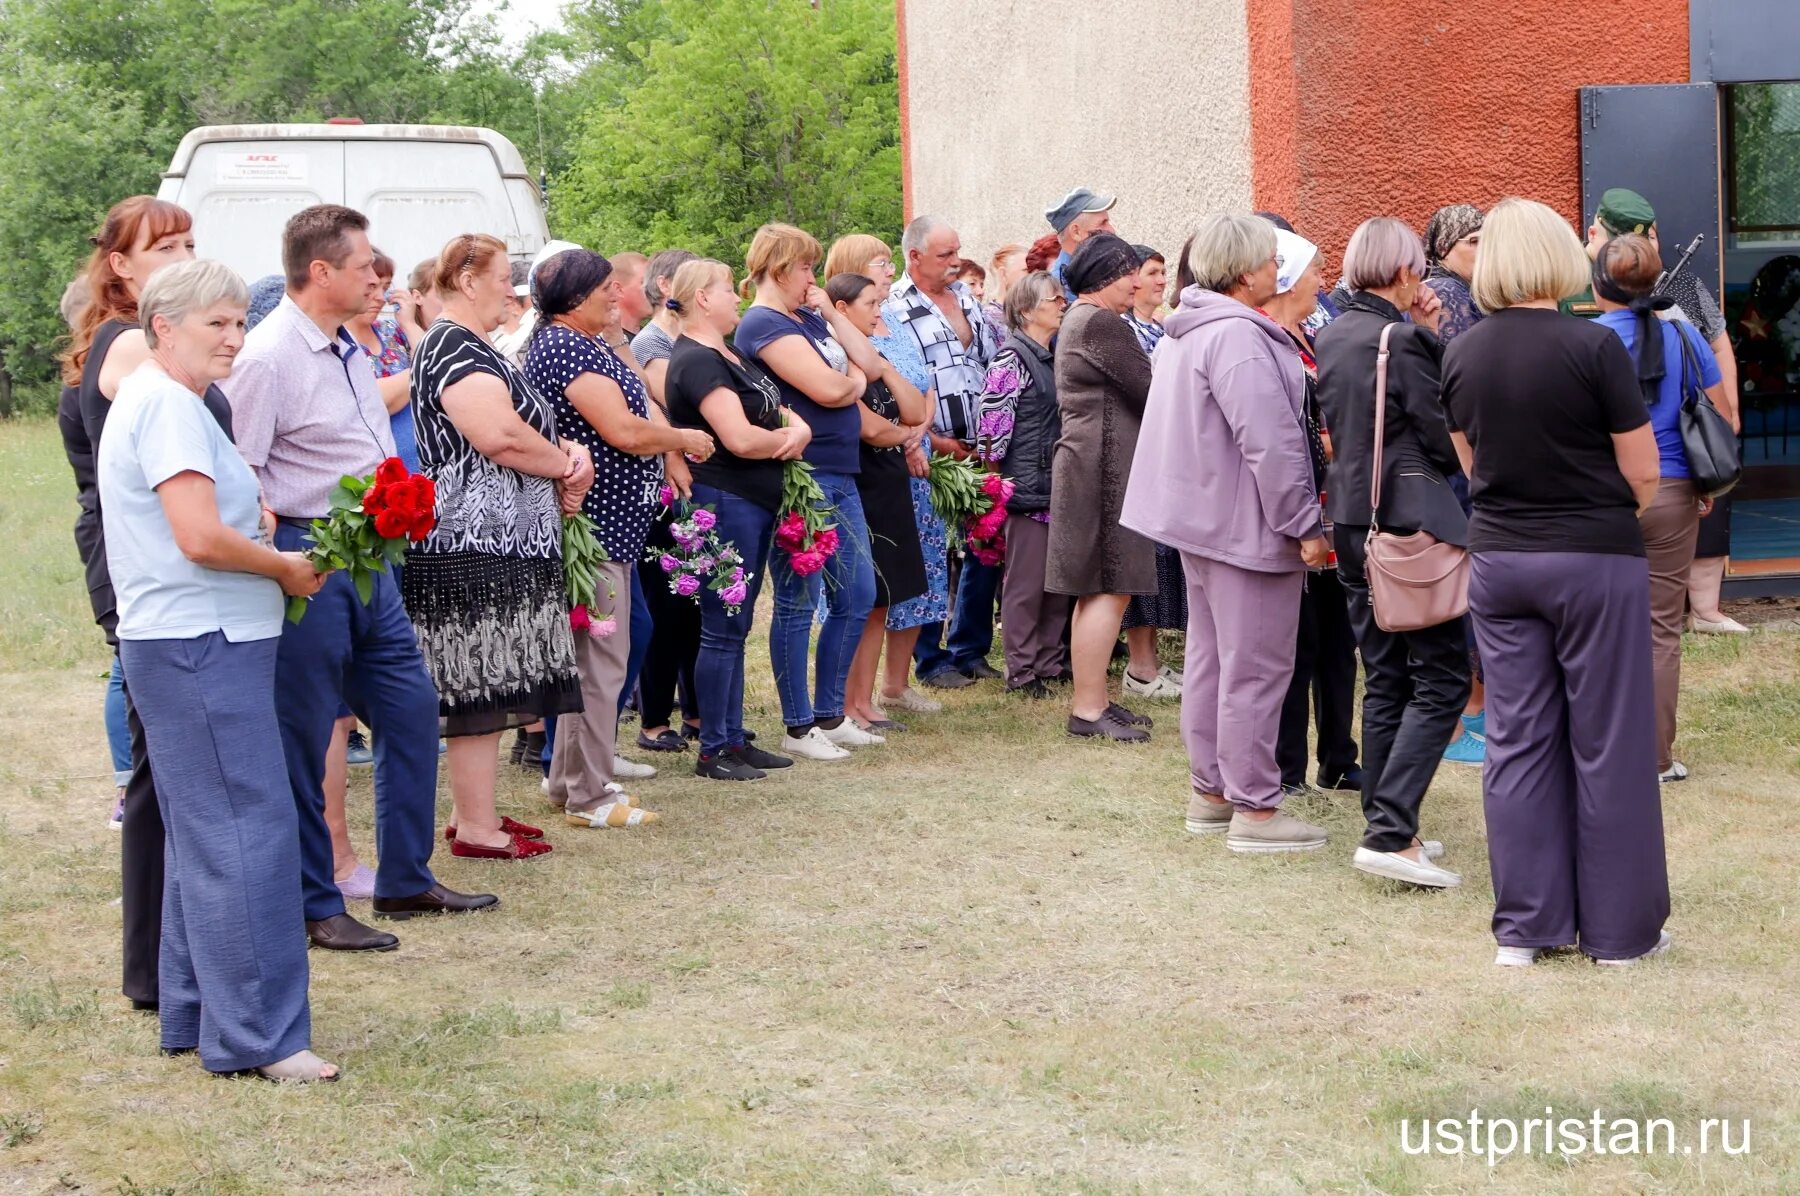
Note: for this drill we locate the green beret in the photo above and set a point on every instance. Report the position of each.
(1625, 211)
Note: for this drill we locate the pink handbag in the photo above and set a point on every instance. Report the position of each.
(1415, 581)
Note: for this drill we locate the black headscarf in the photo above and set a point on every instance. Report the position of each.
(563, 282)
(1650, 368)
(1101, 260)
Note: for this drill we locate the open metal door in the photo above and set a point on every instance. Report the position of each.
(1662, 141)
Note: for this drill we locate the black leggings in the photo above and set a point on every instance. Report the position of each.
(674, 644)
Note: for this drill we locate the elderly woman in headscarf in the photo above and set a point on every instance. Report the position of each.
(1102, 380)
(1451, 237)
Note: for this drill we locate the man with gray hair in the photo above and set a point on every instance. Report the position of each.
(1074, 218)
(957, 341)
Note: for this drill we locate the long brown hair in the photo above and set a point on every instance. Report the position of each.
(110, 297)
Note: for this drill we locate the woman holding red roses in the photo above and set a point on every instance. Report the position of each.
(485, 588)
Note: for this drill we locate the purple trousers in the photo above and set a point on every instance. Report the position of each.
(1241, 632)
(1574, 810)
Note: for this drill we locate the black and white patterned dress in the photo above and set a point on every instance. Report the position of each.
(485, 590)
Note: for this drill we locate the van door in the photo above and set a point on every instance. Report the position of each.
(419, 194)
(241, 194)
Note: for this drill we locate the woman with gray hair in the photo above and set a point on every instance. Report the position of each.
(1102, 378)
(1415, 681)
(200, 615)
(1223, 476)
(1020, 424)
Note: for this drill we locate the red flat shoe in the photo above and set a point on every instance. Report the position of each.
(507, 825)
(520, 848)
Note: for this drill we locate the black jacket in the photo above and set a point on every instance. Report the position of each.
(1418, 455)
(1037, 423)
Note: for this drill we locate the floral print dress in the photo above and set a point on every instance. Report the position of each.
(933, 606)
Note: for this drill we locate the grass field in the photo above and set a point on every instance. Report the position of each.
(982, 958)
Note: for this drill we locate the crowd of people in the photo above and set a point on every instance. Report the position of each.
(1194, 442)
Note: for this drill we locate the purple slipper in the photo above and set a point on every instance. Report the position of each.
(359, 885)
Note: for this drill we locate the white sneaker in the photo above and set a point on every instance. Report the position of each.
(812, 746)
(1159, 687)
(848, 734)
(1725, 625)
(1662, 944)
(1516, 957)
(1394, 866)
(1677, 772)
(631, 770)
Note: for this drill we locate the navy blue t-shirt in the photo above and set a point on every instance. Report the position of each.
(836, 431)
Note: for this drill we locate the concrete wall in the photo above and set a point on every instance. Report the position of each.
(1007, 104)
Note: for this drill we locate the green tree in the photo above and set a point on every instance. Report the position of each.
(727, 114)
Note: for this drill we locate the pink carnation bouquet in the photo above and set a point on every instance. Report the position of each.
(972, 505)
(583, 554)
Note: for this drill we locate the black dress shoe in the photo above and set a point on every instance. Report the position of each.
(1031, 689)
(947, 679)
(981, 670)
(1350, 780)
(435, 900)
(341, 932)
(143, 1006)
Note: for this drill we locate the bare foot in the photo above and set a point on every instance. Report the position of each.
(301, 1067)
(345, 871)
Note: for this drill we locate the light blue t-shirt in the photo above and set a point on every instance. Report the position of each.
(1665, 415)
(157, 429)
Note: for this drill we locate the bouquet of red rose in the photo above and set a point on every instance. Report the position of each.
(583, 554)
(372, 520)
(803, 531)
(972, 505)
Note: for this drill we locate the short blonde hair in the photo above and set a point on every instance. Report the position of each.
(774, 250)
(690, 279)
(1227, 246)
(852, 254)
(1527, 253)
(174, 292)
(1379, 249)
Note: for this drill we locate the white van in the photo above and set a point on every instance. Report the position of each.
(419, 185)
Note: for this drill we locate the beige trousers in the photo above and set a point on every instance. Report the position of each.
(582, 762)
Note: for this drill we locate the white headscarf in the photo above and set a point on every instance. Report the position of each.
(1293, 254)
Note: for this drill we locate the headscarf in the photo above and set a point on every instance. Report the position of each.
(1447, 226)
(1101, 260)
(1293, 254)
(562, 283)
(1650, 368)
(265, 297)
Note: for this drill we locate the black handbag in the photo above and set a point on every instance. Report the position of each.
(1715, 462)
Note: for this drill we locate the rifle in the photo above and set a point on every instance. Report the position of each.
(1662, 280)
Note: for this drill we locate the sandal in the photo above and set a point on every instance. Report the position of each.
(665, 741)
(507, 825)
(613, 815)
(520, 848)
(301, 1067)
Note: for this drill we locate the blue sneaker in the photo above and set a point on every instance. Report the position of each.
(1470, 749)
(1476, 724)
(358, 753)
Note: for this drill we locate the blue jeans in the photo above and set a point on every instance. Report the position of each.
(368, 657)
(642, 625)
(118, 726)
(719, 668)
(848, 580)
(972, 626)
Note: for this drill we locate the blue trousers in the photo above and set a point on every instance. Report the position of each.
(118, 726)
(642, 624)
(232, 976)
(719, 668)
(367, 657)
(848, 582)
(971, 626)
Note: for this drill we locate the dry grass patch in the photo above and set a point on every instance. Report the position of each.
(983, 958)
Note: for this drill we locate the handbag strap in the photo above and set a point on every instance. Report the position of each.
(1381, 364)
(1687, 396)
